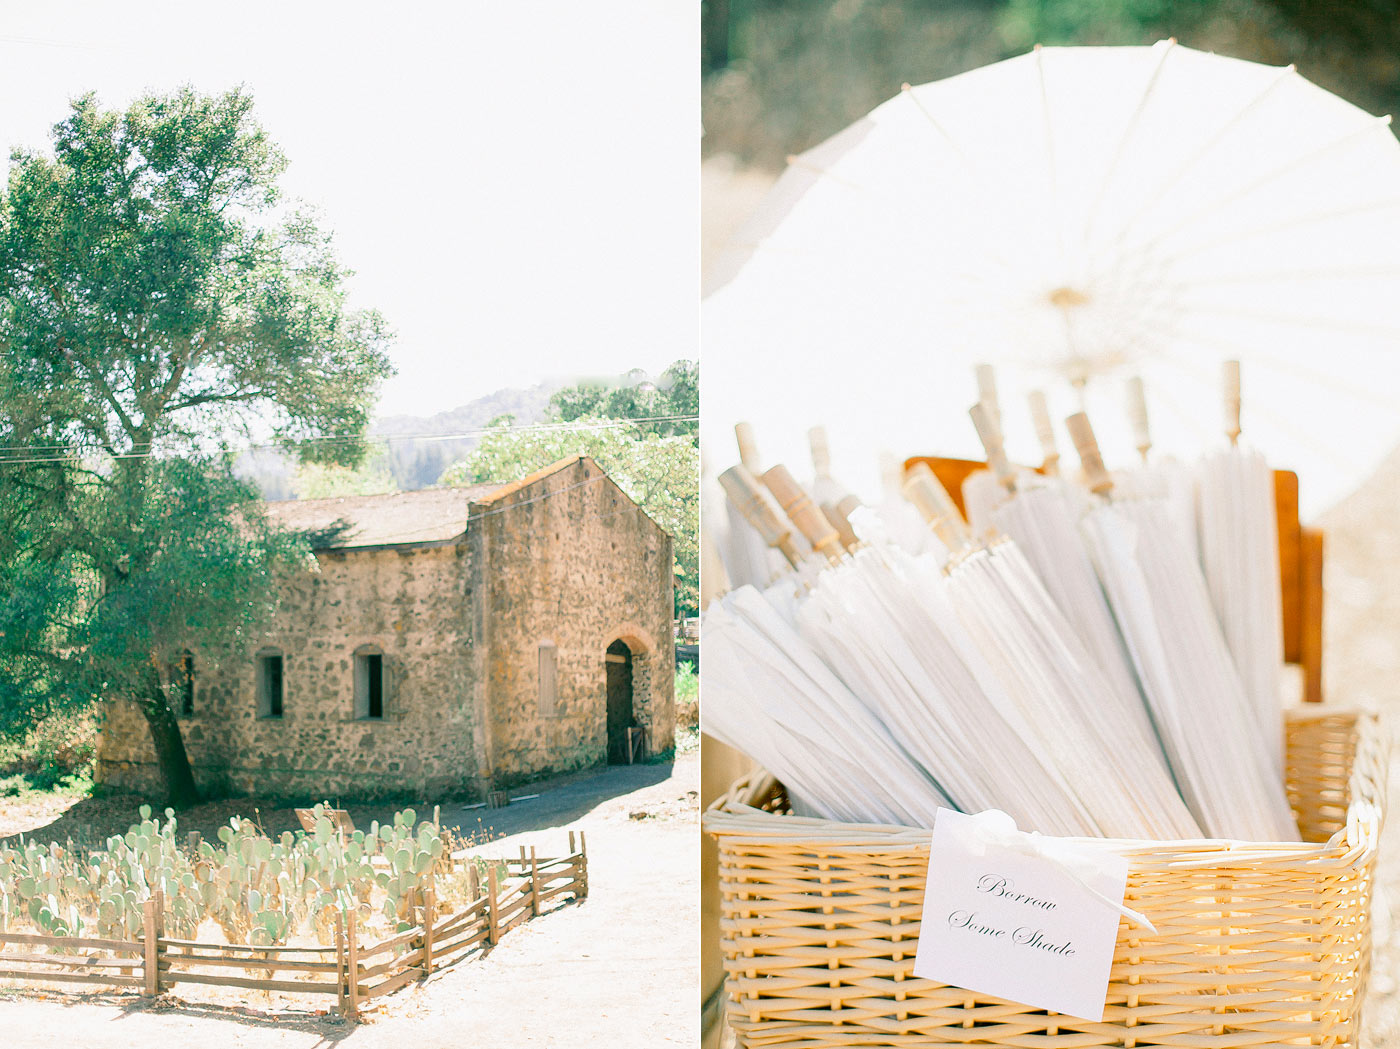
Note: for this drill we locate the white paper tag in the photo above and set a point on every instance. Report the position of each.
(1015, 915)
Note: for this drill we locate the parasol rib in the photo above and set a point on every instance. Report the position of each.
(1291, 320)
(1284, 423)
(1292, 368)
(1051, 169)
(1291, 223)
(1221, 135)
(1324, 150)
(1134, 122)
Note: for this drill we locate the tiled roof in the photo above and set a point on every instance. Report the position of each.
(426, 516)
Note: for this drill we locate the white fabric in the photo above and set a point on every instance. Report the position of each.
(768, 694)
(1222, 762)
(1102, 742)
(1195, 207)
(1240, 556)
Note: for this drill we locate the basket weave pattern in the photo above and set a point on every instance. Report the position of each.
(1256, 944)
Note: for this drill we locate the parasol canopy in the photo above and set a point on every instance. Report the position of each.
(1080, 214)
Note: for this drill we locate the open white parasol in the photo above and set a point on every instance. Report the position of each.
(1081, 214)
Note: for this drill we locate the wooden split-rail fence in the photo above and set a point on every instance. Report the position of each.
(350, 970)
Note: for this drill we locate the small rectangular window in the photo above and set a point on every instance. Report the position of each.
(549, 679)
(375, 671)
(369, 685)
(270, 685)
(185, 681)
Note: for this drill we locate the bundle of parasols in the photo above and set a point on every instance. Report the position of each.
(1094, 653)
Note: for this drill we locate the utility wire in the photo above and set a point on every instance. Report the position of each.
(76, 454)
(435, 435)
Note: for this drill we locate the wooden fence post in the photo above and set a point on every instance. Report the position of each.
(583, 862)
(571, 843)
(473, 880)
(352, 950)
(493, 928)
(534, 884)
(340, 964)
(429, 912)
(150, 937)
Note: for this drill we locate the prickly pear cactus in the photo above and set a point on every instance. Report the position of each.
(259, 890)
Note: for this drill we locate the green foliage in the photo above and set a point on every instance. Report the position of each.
(800, 72)
(656, 463)
(687, 696)
(156, 308)
(675, 394)
(57, 753)
(103, 600)
(151, 300)
(258, 889)
(1024, 23)
(687, 684)
(321, 481)
(661, 474)
(786, 74)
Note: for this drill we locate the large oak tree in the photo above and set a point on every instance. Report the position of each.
(160, 307)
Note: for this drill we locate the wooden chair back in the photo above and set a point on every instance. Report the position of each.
(1300, 563)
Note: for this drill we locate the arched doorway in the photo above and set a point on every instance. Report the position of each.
(621, 716)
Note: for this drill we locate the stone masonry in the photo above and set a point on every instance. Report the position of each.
(456, 591)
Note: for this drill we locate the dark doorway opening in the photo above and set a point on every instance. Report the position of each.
(620, 713)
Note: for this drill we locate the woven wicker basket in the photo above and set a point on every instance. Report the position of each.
(1256, 944)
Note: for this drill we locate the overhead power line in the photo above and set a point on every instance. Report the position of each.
(12, 454)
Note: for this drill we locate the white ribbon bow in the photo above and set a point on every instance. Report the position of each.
(995, 828)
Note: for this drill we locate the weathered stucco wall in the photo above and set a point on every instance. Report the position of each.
(407, 603)
(563, 556)
(574, 561)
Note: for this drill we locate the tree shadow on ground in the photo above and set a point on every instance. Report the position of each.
(330, 1027)
(88, 821)
(562, 800)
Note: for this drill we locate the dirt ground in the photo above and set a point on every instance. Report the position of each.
(616, 969)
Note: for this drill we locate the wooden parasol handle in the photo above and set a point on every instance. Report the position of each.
(990, 434)
(803, 513)
(1087, 446)
(1231, 375)
(839, 514)
(1044, 433)
(746, 494)
(1137, 416)
(821, 451)
(987, 393)
(926, 492)
(748, 446)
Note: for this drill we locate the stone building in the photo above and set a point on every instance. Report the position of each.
(448, 641)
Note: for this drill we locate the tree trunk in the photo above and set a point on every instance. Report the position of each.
(180, 788)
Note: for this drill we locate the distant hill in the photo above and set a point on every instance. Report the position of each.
(416, 458)
(417, 463)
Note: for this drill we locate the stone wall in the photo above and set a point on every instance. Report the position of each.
(410, 605)
(564, 556)
(570, 559)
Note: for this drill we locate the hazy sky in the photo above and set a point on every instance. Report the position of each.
(514, 183)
